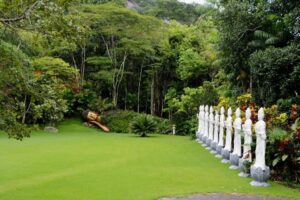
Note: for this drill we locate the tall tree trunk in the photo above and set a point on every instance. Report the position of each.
(114, 96)
(27, 106)
(82, 67)
(25, 109)
(117, 79)
(139, 88)
(126, 93)
(152, 101)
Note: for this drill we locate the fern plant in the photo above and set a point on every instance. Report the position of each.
(143, 125)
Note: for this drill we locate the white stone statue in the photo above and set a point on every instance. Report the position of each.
(260, 130)
(247, 128)
(216, 129)
(211, 123)
(199, 122)
(222, 124)
(228, 130)
(206, 121)
(237, 133)
(202, 120)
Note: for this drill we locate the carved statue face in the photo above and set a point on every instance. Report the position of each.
(248, 113)
(261, 114)
(211, 109)
(92, 116)
(238, 113)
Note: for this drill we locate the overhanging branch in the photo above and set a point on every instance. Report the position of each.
(25, 14)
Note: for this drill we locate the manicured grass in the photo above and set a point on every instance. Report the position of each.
(84, 163)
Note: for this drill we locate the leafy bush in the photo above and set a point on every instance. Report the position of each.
(274, 118)
(185, 124)
(143, 125)
(244, 100)
(223, 101)
(283, 154)
(275, 73)
(164, 126)
(119, 121)
(84, 99)
(186, 106)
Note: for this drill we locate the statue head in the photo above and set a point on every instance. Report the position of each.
(90, 116)
(238, 113)
(222, 110)
(261, 114)
(248, 113)
(229, 112)
(202, 108)
(211, 109)
(206, 108)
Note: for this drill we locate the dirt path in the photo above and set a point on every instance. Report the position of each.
(221, 196)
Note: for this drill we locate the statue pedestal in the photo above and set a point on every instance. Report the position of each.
(234, 160)
(197, 136)
(219, 151)
(208, 143)
(225, 155)
(260, 176)
(200, 137)
(242, 168)
(204, 138)
(213, 146)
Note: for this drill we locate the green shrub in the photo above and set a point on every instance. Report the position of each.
(143, 125)
(119, 121)
(283, 154)
(164, 126)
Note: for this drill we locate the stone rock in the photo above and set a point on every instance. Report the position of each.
(260, 176)
(213, 145)
(200, 137)
(241, 165)
(204, 139)
(208, 142)
(225, 154)
(50, 129)
(219, 150)
(234, 160)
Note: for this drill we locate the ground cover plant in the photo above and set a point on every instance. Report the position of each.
(84, 163)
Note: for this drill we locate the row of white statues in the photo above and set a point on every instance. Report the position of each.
(211, 125)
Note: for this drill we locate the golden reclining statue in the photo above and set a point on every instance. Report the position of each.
(94, 118)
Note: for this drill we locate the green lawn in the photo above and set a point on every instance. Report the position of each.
(84, 163)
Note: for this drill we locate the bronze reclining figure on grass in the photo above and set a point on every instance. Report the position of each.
(93, 118)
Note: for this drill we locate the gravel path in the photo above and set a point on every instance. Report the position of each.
(220, 196)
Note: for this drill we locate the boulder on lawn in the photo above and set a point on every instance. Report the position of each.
(50, 129)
